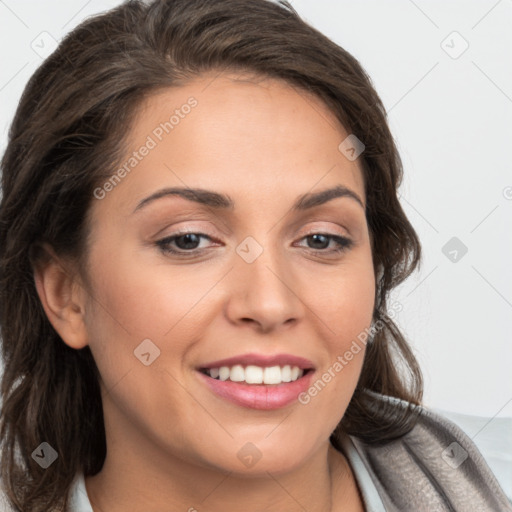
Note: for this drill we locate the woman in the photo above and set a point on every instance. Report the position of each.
(199, 232)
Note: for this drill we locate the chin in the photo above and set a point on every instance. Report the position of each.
(257, 459)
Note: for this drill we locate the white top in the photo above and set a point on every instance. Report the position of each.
(79, 500)
(373, 503)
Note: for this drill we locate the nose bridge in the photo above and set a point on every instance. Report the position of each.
(263, 283)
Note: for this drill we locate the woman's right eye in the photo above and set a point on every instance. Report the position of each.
(183, 241)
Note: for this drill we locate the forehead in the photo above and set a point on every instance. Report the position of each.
(234, 133)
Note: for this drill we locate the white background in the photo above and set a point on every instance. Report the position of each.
(451, 118)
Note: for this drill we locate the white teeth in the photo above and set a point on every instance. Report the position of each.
(237, 373)
(224, 373)
(286, 373)
(272, 375)
(256, 374)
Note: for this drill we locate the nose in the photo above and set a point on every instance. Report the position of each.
(264, 292)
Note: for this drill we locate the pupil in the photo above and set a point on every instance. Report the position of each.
(187, 243)
(316, 238)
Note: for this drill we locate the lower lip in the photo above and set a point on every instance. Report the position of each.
(259, 396)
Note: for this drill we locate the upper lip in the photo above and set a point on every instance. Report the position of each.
(262, 360)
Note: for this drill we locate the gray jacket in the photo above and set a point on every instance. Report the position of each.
(434, 468)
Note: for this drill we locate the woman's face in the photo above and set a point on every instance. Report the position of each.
(251, 284)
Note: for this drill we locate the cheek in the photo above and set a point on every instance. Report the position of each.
(135, 301)
(145, 314)
(344, 304)
(344, 299)
(145, 301)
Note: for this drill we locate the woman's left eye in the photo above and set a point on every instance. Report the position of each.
(343, 243)
(187, 243)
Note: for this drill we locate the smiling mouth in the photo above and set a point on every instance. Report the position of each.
(254, 375)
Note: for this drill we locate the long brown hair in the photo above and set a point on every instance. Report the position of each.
(68, 134)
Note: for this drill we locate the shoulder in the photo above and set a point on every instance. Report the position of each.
(434, 467)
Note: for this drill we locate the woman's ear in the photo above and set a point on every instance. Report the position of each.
(62, 298)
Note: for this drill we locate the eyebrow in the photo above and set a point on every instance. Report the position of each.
(223, 201)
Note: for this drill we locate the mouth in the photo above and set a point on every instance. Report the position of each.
(258, 382)
(252, 374)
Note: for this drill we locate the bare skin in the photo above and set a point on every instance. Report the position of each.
(172, 443)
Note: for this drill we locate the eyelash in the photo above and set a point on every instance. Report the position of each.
(344, 244)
